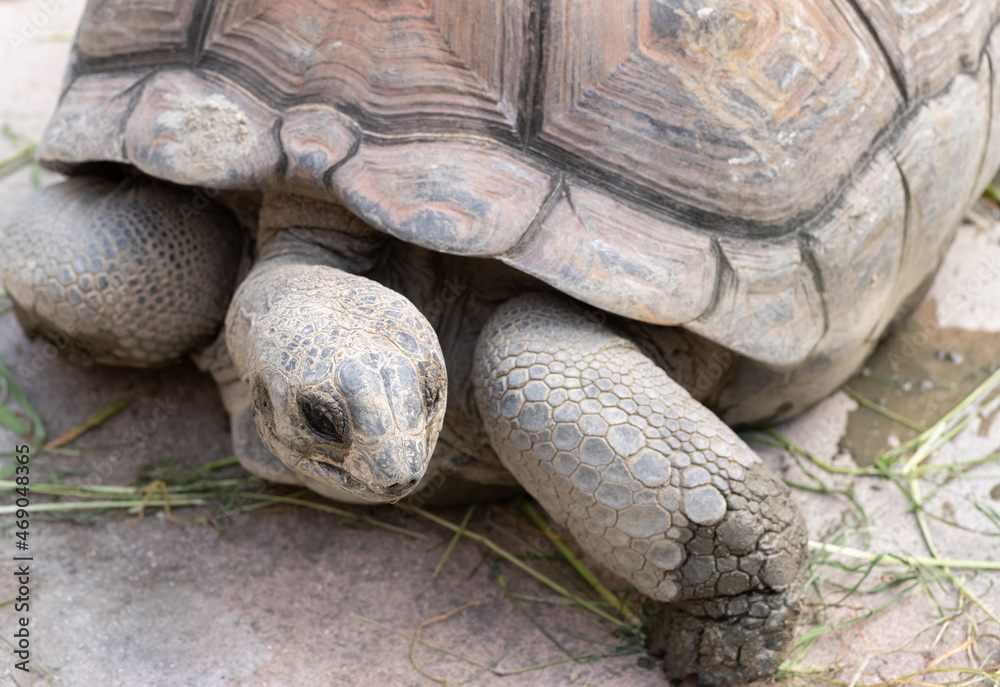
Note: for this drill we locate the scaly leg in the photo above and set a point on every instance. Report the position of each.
(649, 482)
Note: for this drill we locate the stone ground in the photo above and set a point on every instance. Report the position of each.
(294, 596)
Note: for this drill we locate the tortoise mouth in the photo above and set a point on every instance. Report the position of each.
(338, 477)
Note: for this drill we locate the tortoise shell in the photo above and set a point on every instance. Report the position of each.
(775, 175)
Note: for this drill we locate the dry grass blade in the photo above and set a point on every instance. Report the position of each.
(907, 560)
(430, 621)
(911, 679)
(327, 508)
(492, 668)
(92, 422)
(420, 640)
(951, 652)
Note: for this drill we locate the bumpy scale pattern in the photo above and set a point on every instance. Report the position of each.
(130, 271)
(317, 316)
(649, 481)
(298, 322)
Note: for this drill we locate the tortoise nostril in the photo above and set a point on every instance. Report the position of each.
(399, 487)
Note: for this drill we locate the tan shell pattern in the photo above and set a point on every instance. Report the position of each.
(775, 175)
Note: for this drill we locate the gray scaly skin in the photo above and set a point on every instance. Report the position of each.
(649, 482)
(91, 261)
(345, 380)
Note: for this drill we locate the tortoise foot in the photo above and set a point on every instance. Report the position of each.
(727, 641)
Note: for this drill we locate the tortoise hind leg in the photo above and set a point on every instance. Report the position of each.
(649, 482)
(121, 272)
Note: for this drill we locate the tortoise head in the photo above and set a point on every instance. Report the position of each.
(350, 391)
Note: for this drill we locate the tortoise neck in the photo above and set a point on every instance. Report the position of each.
(291, 227)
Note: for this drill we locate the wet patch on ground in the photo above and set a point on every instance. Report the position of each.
(919, 372)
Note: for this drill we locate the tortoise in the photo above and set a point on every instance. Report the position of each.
(454, 248)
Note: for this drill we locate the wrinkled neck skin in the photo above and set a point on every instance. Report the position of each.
(459, 294)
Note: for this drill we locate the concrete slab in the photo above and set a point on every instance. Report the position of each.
(298, 597)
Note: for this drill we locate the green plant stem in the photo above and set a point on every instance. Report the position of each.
(991, 193)
(17, 161)
(788, 445)
(454, 540)
(89, 490)
(882, 410)
(578, 565)
(930, 440)
(119, 503)
(558, 588)
(222, 463)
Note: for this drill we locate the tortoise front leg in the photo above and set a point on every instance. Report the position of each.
(649, 482)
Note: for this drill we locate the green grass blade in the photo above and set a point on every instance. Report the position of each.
(578, 565)
(454, 540)
(18, 161)
(37, 428)
(510, 558)
(120, 503)
(882, 410)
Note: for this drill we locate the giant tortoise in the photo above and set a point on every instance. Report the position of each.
(464, 245)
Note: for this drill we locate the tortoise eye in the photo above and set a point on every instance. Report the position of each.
(327, 420)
